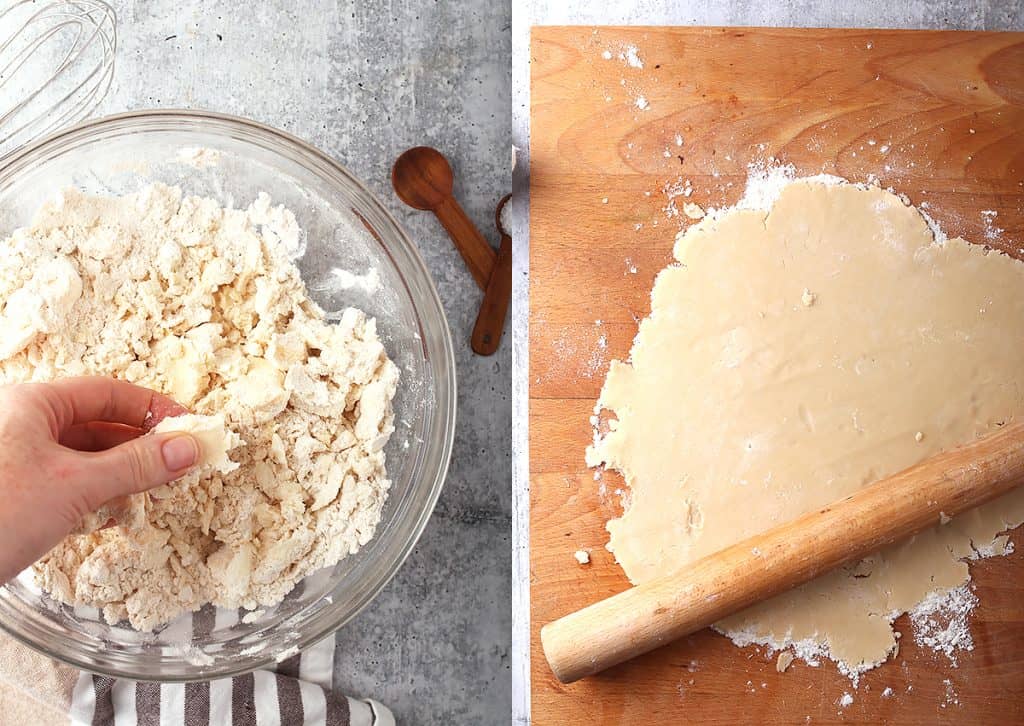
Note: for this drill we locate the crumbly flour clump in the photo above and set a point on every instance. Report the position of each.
(205, 305)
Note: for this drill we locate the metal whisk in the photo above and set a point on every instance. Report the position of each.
(56, 65)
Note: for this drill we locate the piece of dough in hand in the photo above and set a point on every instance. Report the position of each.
(215, 439)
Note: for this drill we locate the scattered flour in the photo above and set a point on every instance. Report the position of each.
(766, 180)
(952, 698)
(940, 621)
(628, 54)
(940, 236)
(597, 358)
(253, 649)
(673, 191)
(565, 349)
(991, 231)
(582, 557)
(632, 57)
(368, 282)
(192, 654)
(198, 157)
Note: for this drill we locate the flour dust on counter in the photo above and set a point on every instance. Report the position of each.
(816, 337)
(204, 304)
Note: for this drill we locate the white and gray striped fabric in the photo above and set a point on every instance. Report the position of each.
(299, 692)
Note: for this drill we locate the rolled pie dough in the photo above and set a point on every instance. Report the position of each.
(791, 357)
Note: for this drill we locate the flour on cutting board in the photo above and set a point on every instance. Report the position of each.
(940, 621)
(674, 190)
(991, 231)
(628, 54)
(952, 698)
(570, 345)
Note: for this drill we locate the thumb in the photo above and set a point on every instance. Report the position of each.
(140, 464)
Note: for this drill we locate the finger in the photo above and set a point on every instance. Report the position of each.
(95, 398)
(98, 436)
(162, 407)
(136, 466)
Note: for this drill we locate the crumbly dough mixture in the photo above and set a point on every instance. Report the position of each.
(204, 304)
(794, 355)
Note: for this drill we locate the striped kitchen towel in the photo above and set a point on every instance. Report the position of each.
(37, 690)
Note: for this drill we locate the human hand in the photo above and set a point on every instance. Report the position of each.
(67, 448)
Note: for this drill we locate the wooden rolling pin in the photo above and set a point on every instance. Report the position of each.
(652, 614)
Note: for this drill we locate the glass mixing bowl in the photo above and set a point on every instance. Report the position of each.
(347, 228)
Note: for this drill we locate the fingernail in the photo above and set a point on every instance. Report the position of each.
(180, 452)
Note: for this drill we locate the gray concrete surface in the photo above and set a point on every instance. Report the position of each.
(363, 81)
(933, 14)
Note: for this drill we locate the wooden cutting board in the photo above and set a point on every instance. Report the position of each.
(938, 116)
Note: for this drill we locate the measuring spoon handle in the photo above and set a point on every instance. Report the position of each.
(475, 250)
(491, 319)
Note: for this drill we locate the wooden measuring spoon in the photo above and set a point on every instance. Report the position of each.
(490, 321)
(423, 179)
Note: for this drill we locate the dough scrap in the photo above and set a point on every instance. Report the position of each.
(784, 661)
(751, 402)
(214, 438)
(204, 304)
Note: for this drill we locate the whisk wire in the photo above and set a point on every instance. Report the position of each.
(93, 25)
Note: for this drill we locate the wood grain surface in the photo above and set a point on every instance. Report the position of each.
(938, 116)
